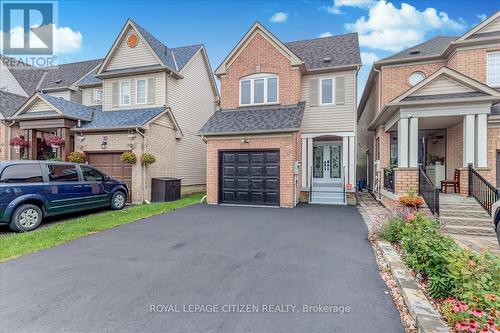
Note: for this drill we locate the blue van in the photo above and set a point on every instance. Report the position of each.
(32, 190)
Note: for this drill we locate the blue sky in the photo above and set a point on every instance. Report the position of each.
(88, 28)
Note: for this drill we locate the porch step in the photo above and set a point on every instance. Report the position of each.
(464, 221)
(469, 230)
(471, 213)
(325, 196)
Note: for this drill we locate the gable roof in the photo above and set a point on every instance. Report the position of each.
(10, 103)
(478, 27)
(343, 50)
(65, 75)
(59, 106)
(90, 79)
(255, 29)
(27, 76)
(263, 119)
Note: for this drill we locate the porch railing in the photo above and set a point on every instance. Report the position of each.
(389, 180)
(428, 191)
(479, 188)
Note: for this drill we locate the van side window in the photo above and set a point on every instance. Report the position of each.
(62, 173)
(22, 173)
(91, 174)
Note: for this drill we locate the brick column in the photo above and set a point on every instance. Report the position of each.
(405, 180)
(464, 181)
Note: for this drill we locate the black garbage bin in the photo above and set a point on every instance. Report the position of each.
(165, 189)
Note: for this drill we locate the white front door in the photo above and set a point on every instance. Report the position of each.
(327, 161)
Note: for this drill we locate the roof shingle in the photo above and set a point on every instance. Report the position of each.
(263, 119)
(342, 50)
(122, 118)
(433, 47)
(10, 103)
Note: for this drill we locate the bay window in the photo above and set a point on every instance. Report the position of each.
(259, 89)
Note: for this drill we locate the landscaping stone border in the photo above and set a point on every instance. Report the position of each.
(428, 320)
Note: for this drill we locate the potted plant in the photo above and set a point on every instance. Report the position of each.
(147, 159)
(54, 141)
(19, 142)
(129, 157)
(77, 157)
(411, 200)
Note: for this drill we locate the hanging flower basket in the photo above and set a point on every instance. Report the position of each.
(147, 159)
(129, 157)
(19, 142)
(77, 157)
(54, 141)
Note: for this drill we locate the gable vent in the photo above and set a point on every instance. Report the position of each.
(58, 81)
(414, 52)
(327, 59)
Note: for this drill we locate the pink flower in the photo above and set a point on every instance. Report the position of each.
(484, 330)
(473, 325)
(451, 300)
(461, 326)
(463, 306)
(410, 217)
(477, 313)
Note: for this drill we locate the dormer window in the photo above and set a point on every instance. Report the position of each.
(259, 89)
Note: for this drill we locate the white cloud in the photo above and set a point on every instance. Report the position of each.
(482, 16)
(392, 29)
(337, 4)
(65, 40)
(279, 17)
(325, 34)
(368, 58)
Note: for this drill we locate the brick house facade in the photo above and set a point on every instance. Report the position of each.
(284, 119)
(436, 108)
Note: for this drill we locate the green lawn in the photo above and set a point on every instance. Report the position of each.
(19, 244)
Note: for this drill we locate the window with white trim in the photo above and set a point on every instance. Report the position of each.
(125, 92)
(259, 89)
(141, 91)
(97, 95)
(493, 69)
(327, 91)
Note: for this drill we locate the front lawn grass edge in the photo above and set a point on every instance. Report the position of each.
(20, 244)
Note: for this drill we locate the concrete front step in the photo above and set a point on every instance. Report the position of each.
(455, 221)
(481, 214)
(469, 230)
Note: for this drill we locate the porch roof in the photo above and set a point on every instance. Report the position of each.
(121, 119)
(253, 120)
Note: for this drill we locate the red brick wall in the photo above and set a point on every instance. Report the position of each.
(289, 146)
(395, 79)
(385, 153)
(260, 53)
(406, 180)
(471, 62)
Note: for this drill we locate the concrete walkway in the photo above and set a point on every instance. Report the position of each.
(269, 259)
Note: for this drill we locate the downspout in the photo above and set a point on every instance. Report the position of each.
(9, 137)
(378, 174)
(143, 169)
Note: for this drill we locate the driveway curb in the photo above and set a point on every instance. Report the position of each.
(426, 317)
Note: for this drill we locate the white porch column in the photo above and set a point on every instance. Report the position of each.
(403, 143)
(304, 163)
(309, 160)
(352, 163)
(482, 141)
(345, 158)
(413, 143)
(469, 136)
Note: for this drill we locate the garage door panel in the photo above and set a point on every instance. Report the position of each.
(250, 177)
(272, 171)
(112, 165)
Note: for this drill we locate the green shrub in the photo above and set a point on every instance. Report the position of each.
(129, 157)
(392, 230)
(147, 159)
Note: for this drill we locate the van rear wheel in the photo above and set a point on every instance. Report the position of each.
(26, 217)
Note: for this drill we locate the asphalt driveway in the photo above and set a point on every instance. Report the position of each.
(122, 280)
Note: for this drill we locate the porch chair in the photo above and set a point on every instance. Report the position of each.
(455, 183)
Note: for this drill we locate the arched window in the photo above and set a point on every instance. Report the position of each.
(415, 78)
(259, 89)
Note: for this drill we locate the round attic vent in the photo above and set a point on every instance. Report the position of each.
(132, 40)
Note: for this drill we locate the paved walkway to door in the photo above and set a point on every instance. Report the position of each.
(218, 255)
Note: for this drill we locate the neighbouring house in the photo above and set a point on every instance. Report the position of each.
(143, 97)
(286, 130)
(430, 111)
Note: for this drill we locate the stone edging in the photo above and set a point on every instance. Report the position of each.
(426, 317)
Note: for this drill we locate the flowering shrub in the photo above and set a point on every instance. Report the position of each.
(77, 157)
(129, 157)
(411, 200)
(54, 140)
(471, 281)
(147, 159)
(466, 319)
(19, 142)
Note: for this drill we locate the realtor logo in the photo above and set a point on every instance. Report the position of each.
(27, 28)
